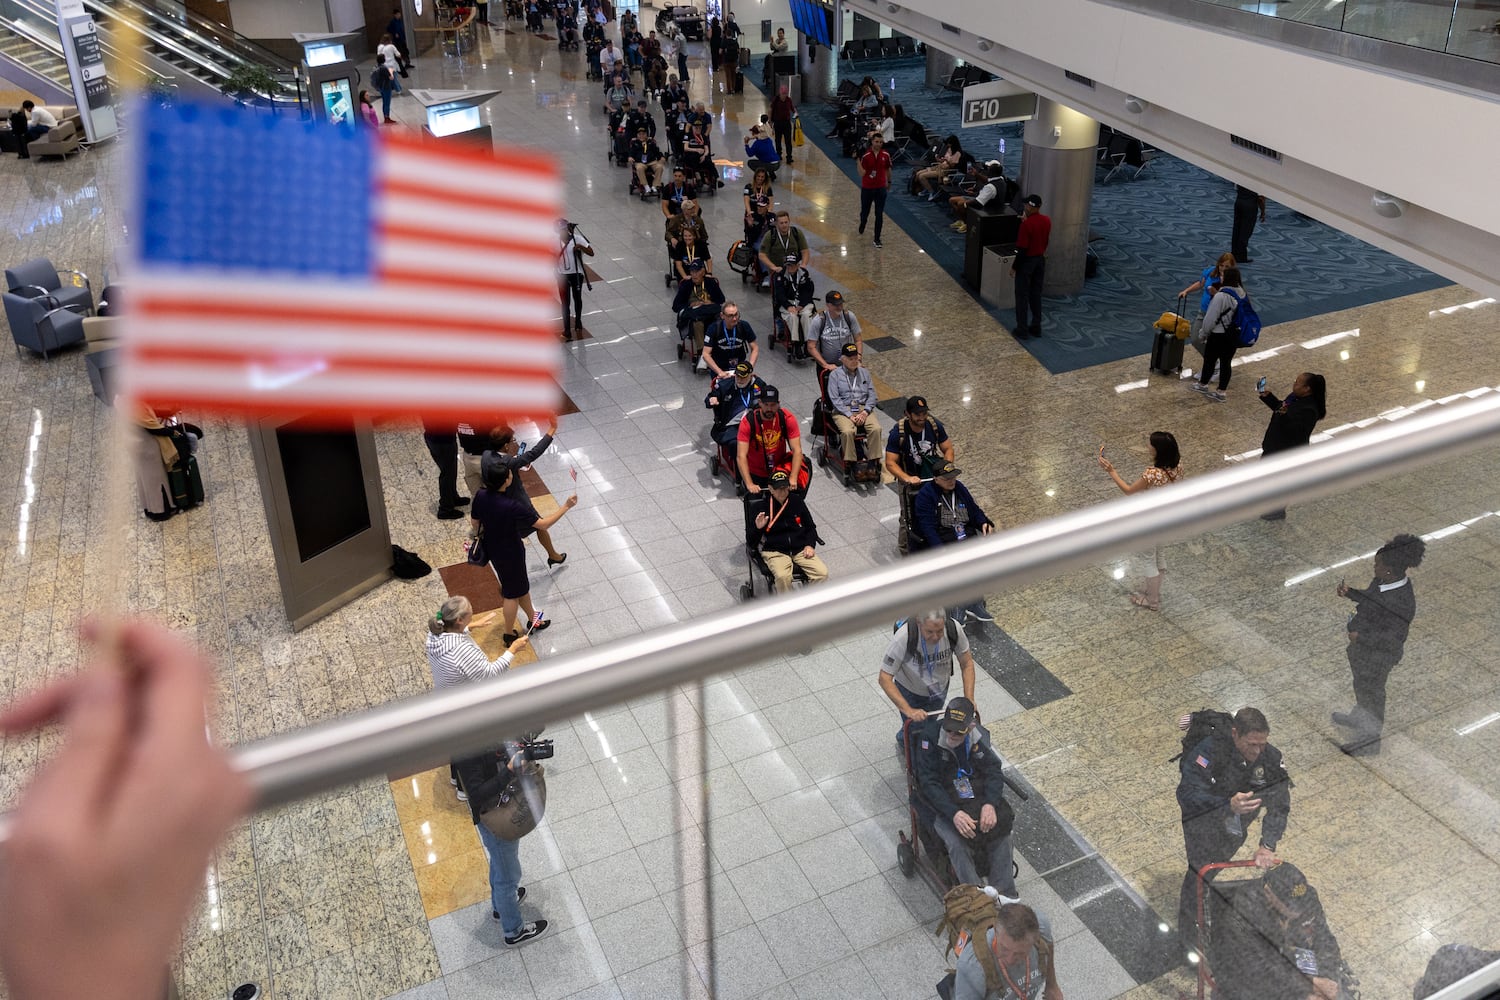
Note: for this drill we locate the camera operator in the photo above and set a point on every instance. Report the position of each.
(486, 777)
(572, 245)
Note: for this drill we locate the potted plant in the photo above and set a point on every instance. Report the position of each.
(250, 82)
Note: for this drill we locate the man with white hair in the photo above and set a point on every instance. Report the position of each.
(918, 664)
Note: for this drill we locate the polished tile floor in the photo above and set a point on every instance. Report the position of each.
(377, 890)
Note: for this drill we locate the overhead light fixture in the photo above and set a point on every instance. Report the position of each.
(1387, 206)
(985, 45)
(1134, 104)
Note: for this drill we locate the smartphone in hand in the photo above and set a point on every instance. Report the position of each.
(1260, 385)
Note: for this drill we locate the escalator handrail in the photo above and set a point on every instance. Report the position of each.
(207, 33)
(53, 47)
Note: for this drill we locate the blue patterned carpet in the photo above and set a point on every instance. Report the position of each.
(1156, 233)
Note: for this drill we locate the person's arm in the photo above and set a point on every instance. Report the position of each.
(1269, 398)
(814, 334)
(794, 445)
(1277, 799)
(742, 455)
(536, 451)
(1196, 286)
(893, 466)
(708, 359)
(1051, 991)
(888, 685)
(543, 523)
(1262, 200)
(110, 838)
(1126, 488)
(966, 673)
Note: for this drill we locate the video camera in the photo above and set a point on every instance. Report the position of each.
(535, 749)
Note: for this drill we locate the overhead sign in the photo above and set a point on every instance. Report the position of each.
(996, 103)
(85, 59)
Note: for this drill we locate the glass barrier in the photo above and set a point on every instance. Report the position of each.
(752, 834)
(1468, 28)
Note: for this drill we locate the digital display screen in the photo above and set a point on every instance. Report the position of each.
(322, 55)
(338, 102)
(447, 119)
(325, 487)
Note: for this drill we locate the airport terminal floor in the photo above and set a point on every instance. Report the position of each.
(380, 890)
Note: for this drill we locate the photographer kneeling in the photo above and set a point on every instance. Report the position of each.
(506, 793)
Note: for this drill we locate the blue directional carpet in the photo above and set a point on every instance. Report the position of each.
(1155, 233)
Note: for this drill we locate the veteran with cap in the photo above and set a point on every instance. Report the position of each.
(729, 397)
(784, 531)
(946, 513)
(960, 776)
(1274, 942)
(830, 330)
(851, 396)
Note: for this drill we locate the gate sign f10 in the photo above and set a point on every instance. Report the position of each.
(996, 103)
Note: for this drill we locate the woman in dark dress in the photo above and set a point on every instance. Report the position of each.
(504, 521)
(1292, 420)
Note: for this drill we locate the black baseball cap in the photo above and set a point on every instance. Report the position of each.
(780, 481)
(850, 351)
(743, 368)
(770, 394)
(947, 471)
(793, 258)
(1034, 200)
(1289, 885)
(959, 715)
(837, 298)
(916, 404)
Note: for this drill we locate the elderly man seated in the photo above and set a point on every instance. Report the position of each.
(851, 396)
(961, 777)
(697, 304)
(730, 398)
(784, 531)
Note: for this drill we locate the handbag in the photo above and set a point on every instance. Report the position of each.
(797, 139)
(521, 805)
(477, 555)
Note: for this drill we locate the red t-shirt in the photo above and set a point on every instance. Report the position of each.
(875, 169)
(1031, 241)
(764, 437)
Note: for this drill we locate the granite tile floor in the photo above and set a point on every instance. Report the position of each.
(323, 898)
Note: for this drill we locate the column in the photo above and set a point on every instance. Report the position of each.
(940, 66)
(820, 69)
(1057, 163)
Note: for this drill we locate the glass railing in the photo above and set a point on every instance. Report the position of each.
(727, 810)
(1469, 28)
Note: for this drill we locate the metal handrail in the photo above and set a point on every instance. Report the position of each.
(425, 731)
(227, 40)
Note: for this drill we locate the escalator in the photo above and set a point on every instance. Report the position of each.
(170, 46)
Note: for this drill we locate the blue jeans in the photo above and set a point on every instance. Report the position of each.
(385, 102)
(505, 876)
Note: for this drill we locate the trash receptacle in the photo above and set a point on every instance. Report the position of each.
(996, 286)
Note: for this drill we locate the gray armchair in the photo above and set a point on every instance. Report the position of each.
(40, 324)
(38, 277)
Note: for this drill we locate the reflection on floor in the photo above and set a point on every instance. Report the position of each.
(322, 898)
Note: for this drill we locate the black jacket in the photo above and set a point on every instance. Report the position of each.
(1213, 772)
(1291, 424)
(483, 777)
(1383, 618)
(937, 768)
(732, 400)
(1255, 958)
(684, 294)
(793, 531)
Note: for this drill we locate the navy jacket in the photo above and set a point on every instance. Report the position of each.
(935, 519)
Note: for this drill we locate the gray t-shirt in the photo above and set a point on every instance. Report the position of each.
(929, 668)
(1028, 974)
(831, 335)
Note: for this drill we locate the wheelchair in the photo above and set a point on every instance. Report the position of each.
(618, 142)
(701, 170)
(864, 468)
(922, 849)
(685, 351)
(755, 561)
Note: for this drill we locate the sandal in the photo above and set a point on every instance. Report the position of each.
(1139, 600)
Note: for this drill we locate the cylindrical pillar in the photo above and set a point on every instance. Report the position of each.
(940, 66)
(1057, 163)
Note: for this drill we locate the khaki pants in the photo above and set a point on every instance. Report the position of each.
(848, 431)
(797, 321)
(781, 568)
(654, 177)
(471, 472)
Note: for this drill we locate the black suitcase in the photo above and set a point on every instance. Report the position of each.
(1166, 353)
(739, 83)
(186, 484)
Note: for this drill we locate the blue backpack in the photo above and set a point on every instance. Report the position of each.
(1245, 325)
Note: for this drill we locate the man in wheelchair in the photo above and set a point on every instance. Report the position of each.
(782, 528)
(851, 395)
(730, 398)
(959, 776)
(697, 304)
(1272, 940)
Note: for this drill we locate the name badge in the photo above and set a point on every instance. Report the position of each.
(963, 786)
(1307, 961)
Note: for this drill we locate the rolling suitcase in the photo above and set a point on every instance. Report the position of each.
(1172, 330)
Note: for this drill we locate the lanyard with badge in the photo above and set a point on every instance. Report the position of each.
(929, 667)
(955, 522)
(1025, 978)
(961, 783)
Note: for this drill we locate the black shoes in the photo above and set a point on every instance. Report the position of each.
(558, 561)
(449, 514)
(461, 502)
(527, 932)
(861, 229)
(1275, 515)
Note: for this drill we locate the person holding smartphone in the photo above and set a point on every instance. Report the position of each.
(1292, 420)
(1165, 467)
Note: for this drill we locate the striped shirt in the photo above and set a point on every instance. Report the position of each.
(455, 658)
